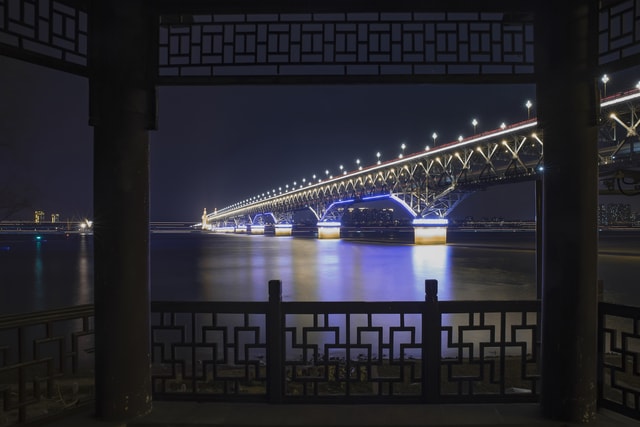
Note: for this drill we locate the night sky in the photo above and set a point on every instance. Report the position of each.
(221, 144)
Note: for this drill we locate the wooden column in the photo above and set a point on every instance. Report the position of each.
(566, 53)
(122, 110)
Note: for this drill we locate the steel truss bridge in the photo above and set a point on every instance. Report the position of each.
(431, 183)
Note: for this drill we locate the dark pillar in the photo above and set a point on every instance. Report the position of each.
(566, 49)
(122, 109)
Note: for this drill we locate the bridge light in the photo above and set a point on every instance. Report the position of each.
(638, 85)
(503, 125)
(504, 142)
(434, 136)
(427, 148)
(613, 115)
(528, 104)
(605, 79)
(479, 150)
(460, 138)
(378, 155)
(474, 122)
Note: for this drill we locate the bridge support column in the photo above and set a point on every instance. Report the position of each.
(255, 229)
(283, 229)
(329, 230)
(430, 231)
(566, 49)
(122, 105)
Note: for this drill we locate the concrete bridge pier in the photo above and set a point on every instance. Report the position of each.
(566, 59)
(430, 231)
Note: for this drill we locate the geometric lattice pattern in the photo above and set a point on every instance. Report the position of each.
(53, 31)
(211, 46)
(490, 349)
(355, 353)
(351, 351)
(620, 359)
(213, 352)
(46, 363)
(619, 32)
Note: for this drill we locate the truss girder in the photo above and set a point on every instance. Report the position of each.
(434, 182)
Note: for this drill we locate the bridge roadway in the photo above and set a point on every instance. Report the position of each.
(419, 190)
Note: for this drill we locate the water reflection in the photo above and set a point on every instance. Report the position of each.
(38, 276)
(200, 267)
(84, 294)
(432, 262)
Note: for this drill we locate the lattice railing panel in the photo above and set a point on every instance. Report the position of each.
(46, 363)
(46, 29)
(215, 352)
(491, 352)
(620, 359)
(343, 44)
(356, 353)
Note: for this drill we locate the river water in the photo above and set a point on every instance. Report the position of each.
(57, 271)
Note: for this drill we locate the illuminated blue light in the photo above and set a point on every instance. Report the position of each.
(379, 196)
(541, 168)
(404, 205)
(430, 221)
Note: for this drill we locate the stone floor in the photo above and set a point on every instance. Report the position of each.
(184, 414)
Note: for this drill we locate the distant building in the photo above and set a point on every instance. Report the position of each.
(38, 217)
(55, 217)
(615, 214)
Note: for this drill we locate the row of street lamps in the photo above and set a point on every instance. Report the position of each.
(403, 146)
(474, 122)
(343, 171)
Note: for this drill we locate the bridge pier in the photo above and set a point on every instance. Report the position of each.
(430, 231)
(329, 230)
(283, 229)
(255, 229)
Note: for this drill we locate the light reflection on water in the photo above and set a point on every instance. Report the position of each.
(58, 272)
(340, 270)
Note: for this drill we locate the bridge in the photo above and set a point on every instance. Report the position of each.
(419, 190)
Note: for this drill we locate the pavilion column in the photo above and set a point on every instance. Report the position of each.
(567, 97)
(122, 109)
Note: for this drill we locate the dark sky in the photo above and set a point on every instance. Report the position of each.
(218, 145)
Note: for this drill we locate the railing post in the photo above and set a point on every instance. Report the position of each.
(275, 356)
(431, 324)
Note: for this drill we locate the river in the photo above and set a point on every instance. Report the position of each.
(57, 271)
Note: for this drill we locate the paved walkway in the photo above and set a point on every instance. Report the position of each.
(186, 414)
